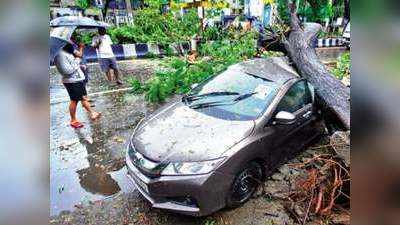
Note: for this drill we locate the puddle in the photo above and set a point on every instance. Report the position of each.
(88, 164)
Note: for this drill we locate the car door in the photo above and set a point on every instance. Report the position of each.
(290, 138)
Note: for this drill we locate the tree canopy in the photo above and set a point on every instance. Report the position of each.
(313, 10)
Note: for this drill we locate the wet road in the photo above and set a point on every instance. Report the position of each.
(88, 183)
(87, 164)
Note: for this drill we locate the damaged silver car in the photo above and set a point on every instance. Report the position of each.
(211, 149)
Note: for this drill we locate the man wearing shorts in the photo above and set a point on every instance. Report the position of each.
(73, 80)
(107, 61)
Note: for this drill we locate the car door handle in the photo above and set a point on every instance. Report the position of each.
(307, 114)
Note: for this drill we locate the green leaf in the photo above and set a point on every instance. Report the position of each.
(83, 4)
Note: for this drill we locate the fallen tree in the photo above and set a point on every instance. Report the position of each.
(332, 94)
(329, 176)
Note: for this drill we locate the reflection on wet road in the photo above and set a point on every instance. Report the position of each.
(87, 165)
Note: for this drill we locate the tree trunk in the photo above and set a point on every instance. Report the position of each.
(333, 95)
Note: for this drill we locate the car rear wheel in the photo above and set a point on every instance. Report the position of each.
(245, 184)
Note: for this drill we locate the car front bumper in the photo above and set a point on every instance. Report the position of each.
(208, 191)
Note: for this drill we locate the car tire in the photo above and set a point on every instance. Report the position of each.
(245, 184)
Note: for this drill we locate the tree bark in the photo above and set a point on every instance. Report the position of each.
(332, 94)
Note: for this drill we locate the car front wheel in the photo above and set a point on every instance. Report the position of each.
(245, 184)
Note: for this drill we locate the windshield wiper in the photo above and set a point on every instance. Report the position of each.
(208, 104)
(244, 96)
(219, 93)
(219, 103)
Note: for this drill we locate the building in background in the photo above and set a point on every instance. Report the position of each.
(69, 8)
(264, 11)
(119, 12)
(64, 8)
(112, 11)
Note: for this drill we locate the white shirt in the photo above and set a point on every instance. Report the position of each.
(104, 43)
(69, 68)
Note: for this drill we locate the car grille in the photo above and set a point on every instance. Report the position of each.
(148, 167)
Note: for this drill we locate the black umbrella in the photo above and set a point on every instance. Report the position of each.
(55, 45)
(59, 37)
(63, 27)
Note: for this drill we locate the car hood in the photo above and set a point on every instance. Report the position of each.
(178, 133)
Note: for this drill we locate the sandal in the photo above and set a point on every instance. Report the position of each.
(76, 125)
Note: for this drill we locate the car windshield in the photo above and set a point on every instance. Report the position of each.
(233, 95)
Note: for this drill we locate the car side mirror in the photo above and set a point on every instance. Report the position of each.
(284, 118)
(194, 85)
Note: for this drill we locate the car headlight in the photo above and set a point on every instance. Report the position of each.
(191, 168)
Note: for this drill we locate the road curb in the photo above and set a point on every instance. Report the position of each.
(329, 42)
(140, 50)
(66, 99)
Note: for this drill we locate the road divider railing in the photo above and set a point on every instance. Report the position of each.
(329, 42)
(139, 51)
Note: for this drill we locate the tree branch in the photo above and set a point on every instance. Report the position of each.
(294, 20)
(332, 94)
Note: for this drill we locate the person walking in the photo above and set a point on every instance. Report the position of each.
(107, 60)
(73, 80)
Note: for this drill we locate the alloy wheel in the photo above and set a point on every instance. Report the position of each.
(246, 183)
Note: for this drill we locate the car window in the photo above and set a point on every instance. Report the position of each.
(296, 98)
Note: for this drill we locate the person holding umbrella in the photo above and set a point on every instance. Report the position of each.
(66, 60)
(73, 80)
(78, 53)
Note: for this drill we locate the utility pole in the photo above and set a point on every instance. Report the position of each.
(129, 11)
(128, 7)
